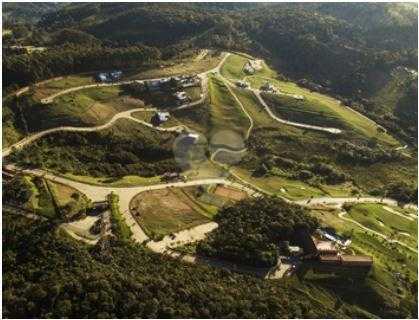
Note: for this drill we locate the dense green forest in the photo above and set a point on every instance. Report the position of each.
(69, 59)
(243, 238)
(55, 277)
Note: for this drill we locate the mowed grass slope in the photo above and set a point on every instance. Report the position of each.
(226, 114)
(380, 218)
(312, 109)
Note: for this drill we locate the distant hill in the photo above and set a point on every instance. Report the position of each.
(27, 12)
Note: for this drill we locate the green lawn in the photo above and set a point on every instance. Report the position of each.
(126, 181)
(376, 217)
(51, 87)
(311, 112)
(233, 67)
(87, 107)
(226, 114)
(291, 189)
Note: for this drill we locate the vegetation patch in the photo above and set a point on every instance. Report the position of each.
(127, 148)
(48, 88)
(166, 211)
(242, 238)
(119, 226)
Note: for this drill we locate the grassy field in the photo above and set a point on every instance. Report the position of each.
(49, 88)
(187, 65)
(379, 218)
(311, 112)
(64, 194)
(119, 225)
(291, 189)
(86, 107)
(127, 181)
(312, 108)
(226, 114)
(196, 118)
(162, 212)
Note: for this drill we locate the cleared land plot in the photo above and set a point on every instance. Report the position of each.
(93, 106)
(226, 114)
(177, 67)
(230, 193)
(48, 88)
(64, 194)
(161, 212)
(377, 218)
(291, 189)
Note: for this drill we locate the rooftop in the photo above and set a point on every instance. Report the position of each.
(325, 246)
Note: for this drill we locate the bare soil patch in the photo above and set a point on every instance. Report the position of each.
(230, 193)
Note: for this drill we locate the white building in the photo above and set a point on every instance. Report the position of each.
(163, 116)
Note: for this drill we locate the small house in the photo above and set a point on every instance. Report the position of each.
(102, 77)
(268, 87)
(242, 84)
(163, 116)
(115, 74)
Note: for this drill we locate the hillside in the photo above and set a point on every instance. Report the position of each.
(351, 50)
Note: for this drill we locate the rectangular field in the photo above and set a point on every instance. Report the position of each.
(161, 212)
(233, 194)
